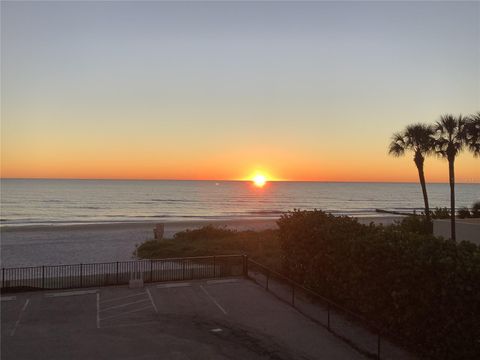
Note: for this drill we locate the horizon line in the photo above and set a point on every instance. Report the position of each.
(238, 180)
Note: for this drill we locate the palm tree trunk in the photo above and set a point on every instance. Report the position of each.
(424, 191)
(451, 173)
(421, 175)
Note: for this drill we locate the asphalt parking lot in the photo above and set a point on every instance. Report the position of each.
(216, 319)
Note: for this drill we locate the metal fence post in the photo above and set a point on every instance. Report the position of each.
(378, 346)
(183, 269)
(81, 275)
(43, 277)
(245, 265)
(214, 267)
(116, 276)
(151, 270)
(268, 277)
(328, 315)
(293, 294)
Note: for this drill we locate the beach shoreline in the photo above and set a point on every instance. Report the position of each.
(38, 245)
(238, 223)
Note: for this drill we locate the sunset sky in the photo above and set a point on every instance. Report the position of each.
(220, 90)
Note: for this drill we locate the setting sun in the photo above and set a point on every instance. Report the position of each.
(259, 180)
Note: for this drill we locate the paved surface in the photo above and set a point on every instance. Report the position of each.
(341, 324)
(219, 319)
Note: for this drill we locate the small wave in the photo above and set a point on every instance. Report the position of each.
(150, 216)
(266, 212)
(174, 200)
(87, 207)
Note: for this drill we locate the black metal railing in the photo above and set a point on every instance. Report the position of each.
(352, 328)
(357, 331)
(120, 272)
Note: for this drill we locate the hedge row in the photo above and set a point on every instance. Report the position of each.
(425, 289)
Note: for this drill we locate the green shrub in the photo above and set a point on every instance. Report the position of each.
(441, 213)
(476, 209)
(262, 246)
(464, 213)
(415, 224)
(205, 232)
(423, 288)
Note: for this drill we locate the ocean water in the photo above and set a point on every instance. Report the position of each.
(42, 202)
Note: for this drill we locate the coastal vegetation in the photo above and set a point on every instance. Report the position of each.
(446, 138)
(210, 240)
(417, 138)
(423, 288)
(473, 134)
(449, 142)
(474, 212)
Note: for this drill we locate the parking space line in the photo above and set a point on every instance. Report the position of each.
(19, 317)
(133, 324)
(123, 305)
(214, 301)
(168, 286)
(126, 312)
(9, 298)
(212, 282)
(121, 298)
(151, 299)
(71, 293)
(98, 310)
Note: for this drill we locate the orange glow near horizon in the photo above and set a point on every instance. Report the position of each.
(138, 167)
(147, 161)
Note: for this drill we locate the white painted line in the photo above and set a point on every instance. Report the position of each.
(175, 285)
(216, 330)
(212, 282)
(121, 298)
(131, 324)
(98, 310)
(71, 293)
(9, 298)
(126, 312)
(123, 305)
(214, 301)
(151, 299)
(19, 317)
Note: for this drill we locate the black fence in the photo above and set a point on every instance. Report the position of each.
(120, 272)
(352, 328)
(357, 331)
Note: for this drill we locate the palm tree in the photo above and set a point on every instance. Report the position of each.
(417, 138)
(473, 134)
(450, 139)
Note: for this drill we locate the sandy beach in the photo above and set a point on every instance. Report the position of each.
(87, 243)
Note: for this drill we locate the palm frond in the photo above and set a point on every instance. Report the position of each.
(420, 136)
(397, 146)
(473, 134)
(450, 135)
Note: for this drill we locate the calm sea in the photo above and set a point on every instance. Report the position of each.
(36, 202)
